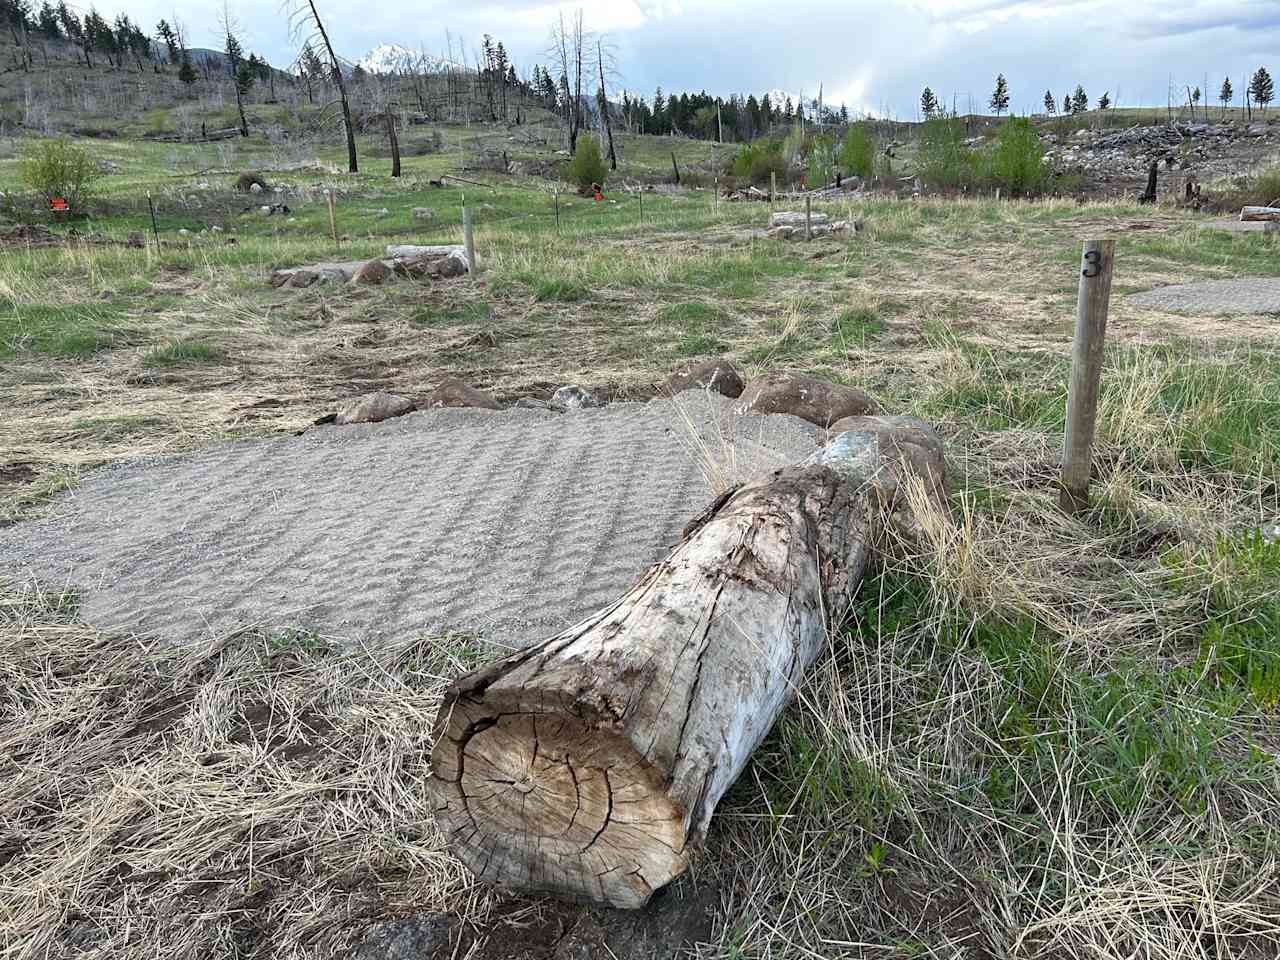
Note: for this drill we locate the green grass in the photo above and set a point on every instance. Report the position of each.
(71, 331)
(856, 327)
(177, 352)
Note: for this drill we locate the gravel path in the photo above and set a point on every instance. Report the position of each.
(1209, 297)
(510, 524)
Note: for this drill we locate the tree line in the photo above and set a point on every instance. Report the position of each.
(1260, 90)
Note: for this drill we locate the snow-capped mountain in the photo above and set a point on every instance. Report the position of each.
(386, 58)
(778, 98)
(390, 57)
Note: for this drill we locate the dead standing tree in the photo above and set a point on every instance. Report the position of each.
(567, 51)
(601, 52)
(302, 13)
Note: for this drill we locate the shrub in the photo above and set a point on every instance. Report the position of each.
(821, 163)
(945, 160)
(587, 167)
(58, 168)
(756, 161)
(1017, 160)
(858, 155)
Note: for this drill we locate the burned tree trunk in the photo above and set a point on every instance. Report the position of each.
(588, 765)
(395, 143)
(1149, 195)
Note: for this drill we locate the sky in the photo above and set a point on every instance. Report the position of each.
(872, 55)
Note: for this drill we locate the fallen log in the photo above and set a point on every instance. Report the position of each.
(588, 765)
(1260, 213)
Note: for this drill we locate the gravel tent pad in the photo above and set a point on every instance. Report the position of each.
(1214, 297)
(509, 524)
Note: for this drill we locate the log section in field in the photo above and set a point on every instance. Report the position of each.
(586, 766)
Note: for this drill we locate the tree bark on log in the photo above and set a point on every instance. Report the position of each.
(588, 765)
(1259, 213)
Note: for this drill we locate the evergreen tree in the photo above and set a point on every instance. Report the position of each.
(844, 113)
(766, 113)
(1104, 101)
(1079, 100)
(1050, 106)
(170, 38)
(1261, 88)
(928, 103)
(1065, 105)
(47, 21)
(1225, 94)
(311, 69)
(1195, 95)
(186, 72)
(1000, 96)
(788, 112)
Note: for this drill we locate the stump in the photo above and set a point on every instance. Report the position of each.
(588, 765)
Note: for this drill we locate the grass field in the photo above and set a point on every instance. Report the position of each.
(1042, 736)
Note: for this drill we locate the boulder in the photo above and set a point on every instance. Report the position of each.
(299, 279)
(372, 273)
(374, 407)
(719, 375)
(455, 393)
(574, 397)
(912, 442)
(818, 401)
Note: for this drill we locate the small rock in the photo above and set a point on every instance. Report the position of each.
(372, 272)
(301, 279)
(455, 393)
(374, 407)
(215, 229)
(720, 376)
(255, 188)
(818, 401)
(184, 232)
(265, 209)
(574, 397)
(412, 938)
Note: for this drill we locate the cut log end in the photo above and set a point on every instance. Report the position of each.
(545, 802)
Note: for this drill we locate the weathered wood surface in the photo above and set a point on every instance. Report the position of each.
(588, 765)
(1259, 213)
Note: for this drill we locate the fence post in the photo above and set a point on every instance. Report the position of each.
(333, 214)
(155, 230)
(469, 242)
(1086, 373)
(808, 225)
(642, 203)
(557, 194)
(773, 187)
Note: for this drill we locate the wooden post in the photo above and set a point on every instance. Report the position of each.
(155, 230)
(1086, 373)
(808, 220)
(642, 204)
(333, 214)
(557, 193)
(773, 187)
(469, 241)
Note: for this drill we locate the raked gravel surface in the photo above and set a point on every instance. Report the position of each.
(1254, 295)
(507, 524)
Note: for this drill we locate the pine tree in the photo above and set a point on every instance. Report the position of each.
(186, 72)
(1000, 97)
(1261, 88)
(1050, 106)
(170, 38)
(1104, 101)
(928, 103)
(1079, 100)
(48, 21)
(1225, 94)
